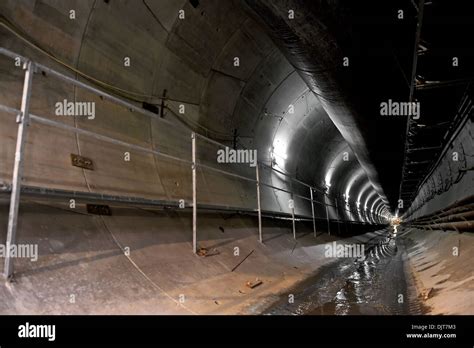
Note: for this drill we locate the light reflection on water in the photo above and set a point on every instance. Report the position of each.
(360, 285)
(355, 286)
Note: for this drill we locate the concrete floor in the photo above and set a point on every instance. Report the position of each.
(84, 255)
(447, 278)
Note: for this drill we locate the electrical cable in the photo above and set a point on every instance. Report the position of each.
(5, 23)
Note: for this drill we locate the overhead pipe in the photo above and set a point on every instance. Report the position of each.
(458, 216)
(465, 204)
(464, 226)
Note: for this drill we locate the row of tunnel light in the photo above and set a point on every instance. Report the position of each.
(378, 208)
(368, 210)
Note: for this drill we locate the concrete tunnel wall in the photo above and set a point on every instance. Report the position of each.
(81, 253)
(193, 60)
(451, 180)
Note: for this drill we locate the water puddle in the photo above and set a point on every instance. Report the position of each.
(372, 285)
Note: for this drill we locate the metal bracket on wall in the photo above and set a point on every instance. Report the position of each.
(82, 162)
(98, 209)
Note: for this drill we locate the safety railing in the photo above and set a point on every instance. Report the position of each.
(24, 117)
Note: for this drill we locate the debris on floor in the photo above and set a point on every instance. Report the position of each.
(204, 252)
(427, 293)
(254, 284)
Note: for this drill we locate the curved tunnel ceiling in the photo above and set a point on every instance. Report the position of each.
(340, 30)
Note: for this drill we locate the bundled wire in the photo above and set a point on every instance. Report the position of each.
(130, 95)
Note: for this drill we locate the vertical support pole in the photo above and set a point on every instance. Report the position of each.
(22, 120)
(337, 217)
(345, 213)
(353, 218)
(293, 216)
(259, 209)
(193, 139)
(312, 211)
(327, 219)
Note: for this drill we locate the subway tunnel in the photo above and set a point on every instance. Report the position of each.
(213, 157)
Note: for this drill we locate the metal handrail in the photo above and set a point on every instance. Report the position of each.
(24, 117)
(101, 137)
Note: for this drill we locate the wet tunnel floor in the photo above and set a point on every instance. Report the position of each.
(376, 284)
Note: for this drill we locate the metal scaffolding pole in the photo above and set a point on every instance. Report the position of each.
(22, 120)
(259, 208)
(292, 207)
(193, 139)
(312, 211)
(327, 219)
